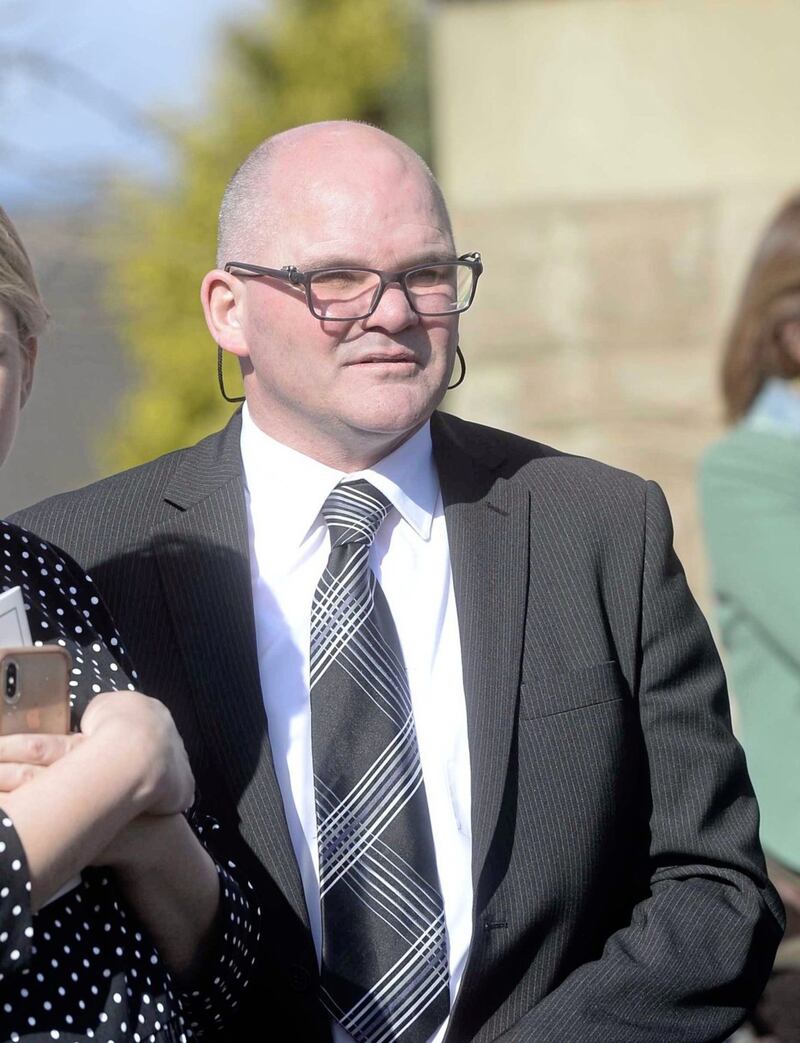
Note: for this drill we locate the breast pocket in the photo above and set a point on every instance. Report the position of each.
(549, 693)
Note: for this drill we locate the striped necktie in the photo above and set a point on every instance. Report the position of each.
(384, 949)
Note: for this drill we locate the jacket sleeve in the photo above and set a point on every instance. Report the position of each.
(697, 951)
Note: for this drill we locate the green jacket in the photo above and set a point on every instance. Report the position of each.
(750, 500)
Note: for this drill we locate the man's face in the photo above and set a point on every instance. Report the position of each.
(337, 389)
(14, 378)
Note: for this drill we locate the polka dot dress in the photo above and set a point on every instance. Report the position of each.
(83, 968)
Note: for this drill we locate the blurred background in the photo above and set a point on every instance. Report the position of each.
(613, 161)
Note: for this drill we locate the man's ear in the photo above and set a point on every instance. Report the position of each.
(222, 297)
(30, 348)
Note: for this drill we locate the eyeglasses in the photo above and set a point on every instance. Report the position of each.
(346, 294)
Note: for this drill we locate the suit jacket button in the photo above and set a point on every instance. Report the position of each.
(299, 979)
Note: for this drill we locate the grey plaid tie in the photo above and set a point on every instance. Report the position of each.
(384, 949)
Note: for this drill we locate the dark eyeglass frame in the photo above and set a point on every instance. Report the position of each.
(303, 279)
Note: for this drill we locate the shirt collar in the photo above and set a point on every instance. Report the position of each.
(407, 477)
(776, 409)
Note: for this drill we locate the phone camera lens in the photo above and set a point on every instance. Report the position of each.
(11, 682)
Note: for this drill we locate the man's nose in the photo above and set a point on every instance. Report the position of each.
(394, 312)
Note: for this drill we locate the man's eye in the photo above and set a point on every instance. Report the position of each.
(438, 275)
(340, 279)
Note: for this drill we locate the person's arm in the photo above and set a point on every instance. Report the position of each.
(206, 931)
(171, 881)
(81, 805)
(698, 949)
(185, 888)
(69, 796)
(180, 876)
(100, 798)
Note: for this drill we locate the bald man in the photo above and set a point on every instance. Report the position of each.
(446, 686)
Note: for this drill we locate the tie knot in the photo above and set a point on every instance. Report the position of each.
(354, 512)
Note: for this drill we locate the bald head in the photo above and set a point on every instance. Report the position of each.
(250, 214)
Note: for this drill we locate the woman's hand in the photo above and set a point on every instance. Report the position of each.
(139, 732)
(129, 733)
(25, 756)
(71, 797)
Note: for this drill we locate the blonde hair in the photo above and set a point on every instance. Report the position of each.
(18, 288)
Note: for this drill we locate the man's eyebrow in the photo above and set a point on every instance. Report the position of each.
(309, 264)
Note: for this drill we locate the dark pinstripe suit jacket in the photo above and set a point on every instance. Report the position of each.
(620, 892)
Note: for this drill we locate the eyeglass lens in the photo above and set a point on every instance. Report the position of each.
(349, 293)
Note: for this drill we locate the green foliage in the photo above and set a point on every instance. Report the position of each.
(305, 60)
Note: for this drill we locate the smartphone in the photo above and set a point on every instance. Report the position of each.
(34, 690)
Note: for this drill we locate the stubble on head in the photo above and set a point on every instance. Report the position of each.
(250, 214)
(336, 195)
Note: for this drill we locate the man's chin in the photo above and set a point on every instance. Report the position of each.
(394, 417)
(378, 436)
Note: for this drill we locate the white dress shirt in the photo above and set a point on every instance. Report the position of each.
(289, 547)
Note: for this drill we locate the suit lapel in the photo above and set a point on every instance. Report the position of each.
(488, 532)
(201, 545)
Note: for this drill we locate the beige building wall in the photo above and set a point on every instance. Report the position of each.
(613, 161)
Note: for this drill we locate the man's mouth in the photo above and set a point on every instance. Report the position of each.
(384, 357)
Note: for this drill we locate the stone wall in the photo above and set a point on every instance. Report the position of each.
(610, 275)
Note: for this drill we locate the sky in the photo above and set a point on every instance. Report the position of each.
(128, 57)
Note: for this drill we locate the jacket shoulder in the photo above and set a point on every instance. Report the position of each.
(123, 501)
(137, 483)
(526, 460)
